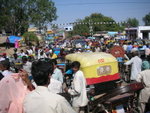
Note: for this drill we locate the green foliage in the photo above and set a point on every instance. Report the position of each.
(30, 37)
(17, 15)
(13, 16)
(84, 29)
(132, 22)
(54, 27)
(146, 19)
(41, 12)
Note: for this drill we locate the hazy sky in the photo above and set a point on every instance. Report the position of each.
(70, 10)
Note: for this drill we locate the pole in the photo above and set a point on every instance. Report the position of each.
(90, 28)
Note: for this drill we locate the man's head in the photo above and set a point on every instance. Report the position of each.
(21, 51)
(75, 66)
(54, 63)
(41, 71)
(15, 56)
(24, 59)
(5, 65)
(15, 50)
(135, 53)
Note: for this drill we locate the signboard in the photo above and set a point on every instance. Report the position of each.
(117, 51)
(103, 70)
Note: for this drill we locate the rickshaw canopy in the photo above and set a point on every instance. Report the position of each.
(97, 66)
(89, 59)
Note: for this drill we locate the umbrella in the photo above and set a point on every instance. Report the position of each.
(12, 39)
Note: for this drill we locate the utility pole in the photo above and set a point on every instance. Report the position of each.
(90, 28)
(128, 29)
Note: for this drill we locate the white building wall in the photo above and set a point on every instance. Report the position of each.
(68, 28)
(139, 34)
(149, 35)
(142, 28)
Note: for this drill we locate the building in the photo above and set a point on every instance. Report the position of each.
(33, 29)
(140, 32)
(68, 28)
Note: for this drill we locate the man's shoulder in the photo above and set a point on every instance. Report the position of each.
(6, 72)
(29, 63)
(136, 58)
(56, 97)
(80, 72)
(58, 70)
(145, 71)
(30, 95)
(55, 81)
(48, 95)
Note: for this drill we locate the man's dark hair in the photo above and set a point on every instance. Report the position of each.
(5, 64)
(42, 52)
(41, 70)
(135, 53)
(148, 58)
(54, 61)
(15, 50)
(75, 64)
(1, 76)
(24, 59)
(15, 55)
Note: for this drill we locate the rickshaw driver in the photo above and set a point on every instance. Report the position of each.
(78, 88)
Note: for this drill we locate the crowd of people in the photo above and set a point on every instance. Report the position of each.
(31, 82)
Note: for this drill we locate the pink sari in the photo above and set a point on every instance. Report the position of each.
(16, 44)
(12, 93)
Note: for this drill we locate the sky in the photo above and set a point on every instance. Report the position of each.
(120, 10)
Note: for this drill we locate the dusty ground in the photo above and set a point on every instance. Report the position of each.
(3, 39)
(10, 51)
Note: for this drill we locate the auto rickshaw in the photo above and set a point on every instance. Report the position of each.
(100, 69)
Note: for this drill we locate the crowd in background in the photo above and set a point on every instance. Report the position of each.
(25, 70)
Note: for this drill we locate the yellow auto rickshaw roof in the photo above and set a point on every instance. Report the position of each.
(92, 58)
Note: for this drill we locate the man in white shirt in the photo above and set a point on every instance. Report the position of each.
(26, 65)
(42, 55)
(144, 96)
(5, 66)
(78, 88)
(1, 57)
(21, 53)
(30, 51)
(41, 100)
(147, 51)
(57, 74)
(136, 63)
(125, 46)
(55, 86)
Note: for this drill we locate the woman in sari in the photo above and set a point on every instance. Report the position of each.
(16, 44)
(12, 92)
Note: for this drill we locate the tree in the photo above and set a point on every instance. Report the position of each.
(17, 15)
(42, 12)
(91, 21)
(146, 19)
(54, 27)
(14, 15)
(132, 22)
(30, 37)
